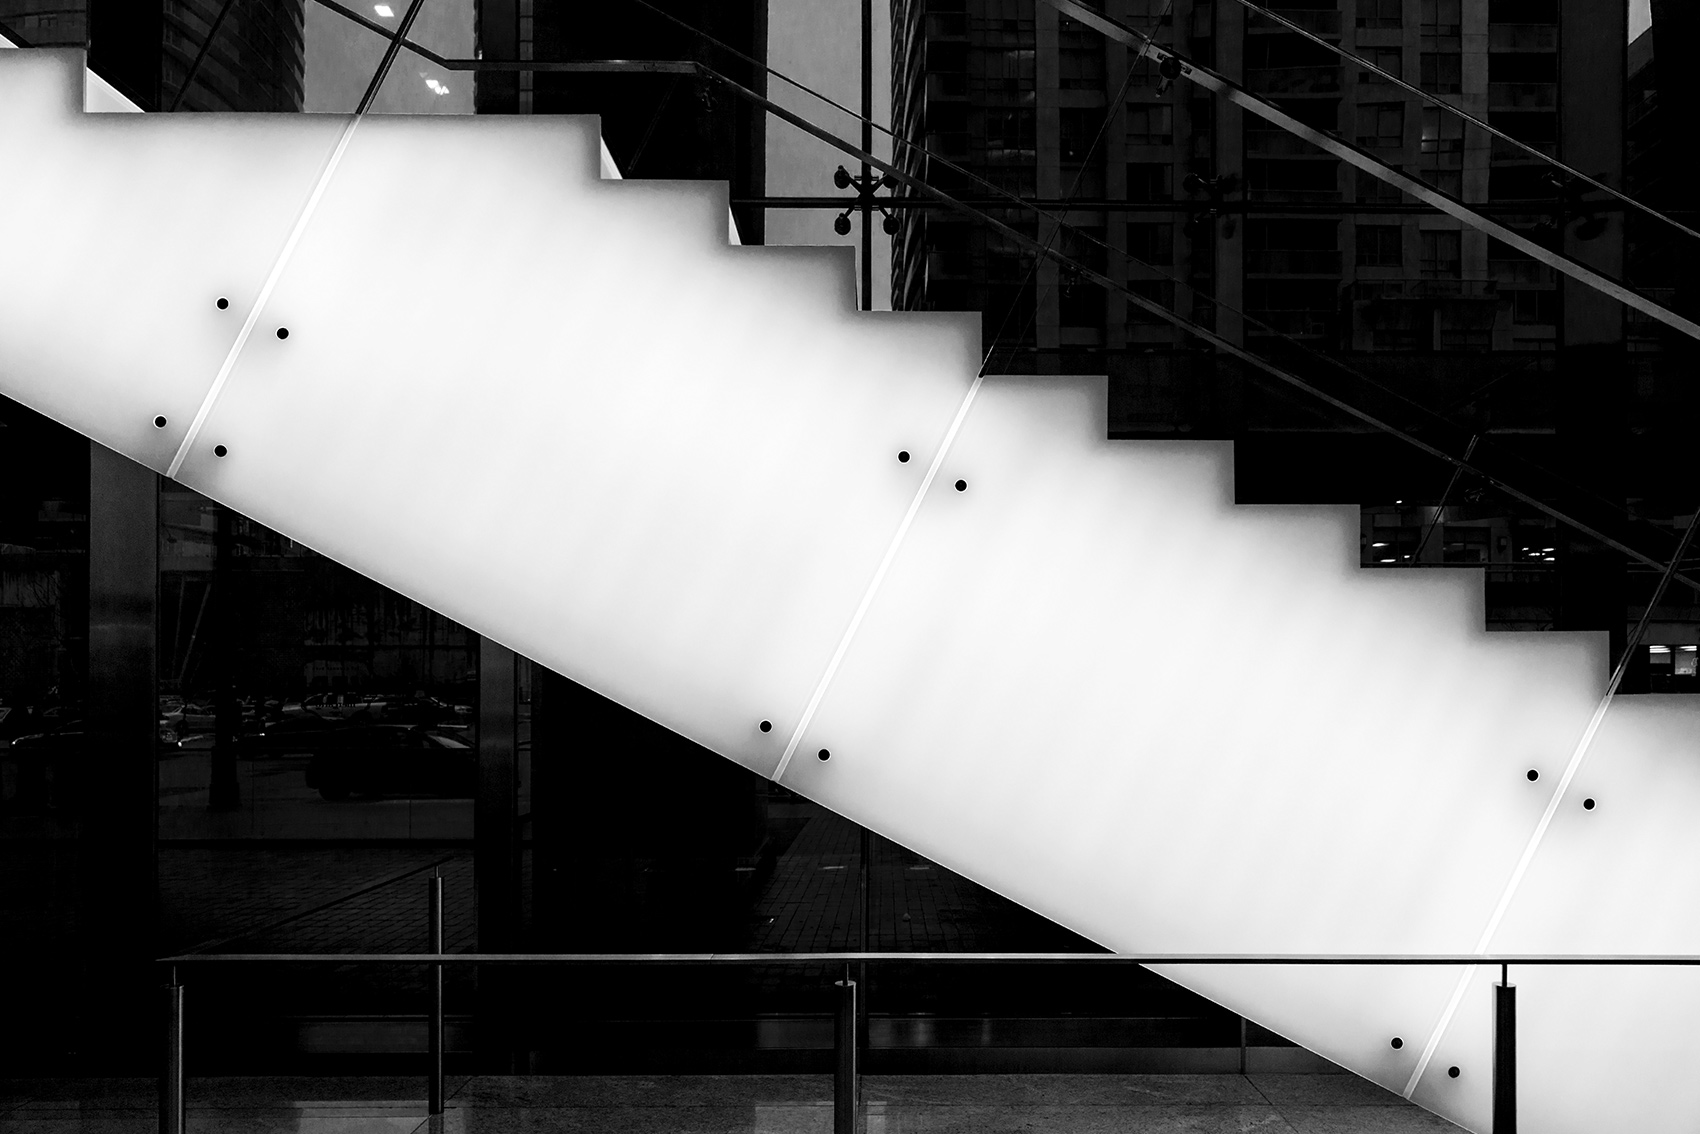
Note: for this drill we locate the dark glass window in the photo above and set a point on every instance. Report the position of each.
(1534, 307)
(1152, 242)
(1442, 254)
(1441, 72)
(1381, 124)
(1150, 181)
(1380, 246)
(1150, 124)
(1389, 59)
(1381, 13)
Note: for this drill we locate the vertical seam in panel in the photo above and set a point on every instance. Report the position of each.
(879, 576)
(1516, 880)
(260, 302)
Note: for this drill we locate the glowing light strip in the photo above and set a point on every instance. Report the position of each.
(879, 577)
(253, 319)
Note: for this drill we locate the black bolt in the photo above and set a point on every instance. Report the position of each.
(1533, 775)
(903, 457)
(1587, 805)
(219, 450)
(159, 422)
(825, 755)
(223, 303)
(1398, 1043)
(283, 332)
(1452, 1071)
(767, 726)
(962, 486)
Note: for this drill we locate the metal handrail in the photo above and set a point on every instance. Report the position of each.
(1376, 959)
(173, 1091)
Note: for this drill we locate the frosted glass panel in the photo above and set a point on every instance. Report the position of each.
(563, 411)
(1092, 684)
(133, 227)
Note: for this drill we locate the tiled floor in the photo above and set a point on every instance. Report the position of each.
(750, 1104)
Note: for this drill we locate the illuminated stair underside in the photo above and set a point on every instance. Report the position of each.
(563, 411)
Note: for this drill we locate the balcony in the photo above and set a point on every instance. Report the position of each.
(1530, 272)
(1292, 262)
(1293, 80)
(1411, 288)
(1317, 21)
(1522, 96)
(1278, 143)
(1522, 37)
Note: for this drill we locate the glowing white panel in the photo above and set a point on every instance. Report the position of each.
(1092, 684)
(562, 410)
(683, 456)
(132, 227)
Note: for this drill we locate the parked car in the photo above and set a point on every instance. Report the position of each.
(304, 732)
(392, 760)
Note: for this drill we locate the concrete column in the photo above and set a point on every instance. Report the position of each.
(118, 781)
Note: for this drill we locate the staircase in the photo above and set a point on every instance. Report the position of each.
(565, 412)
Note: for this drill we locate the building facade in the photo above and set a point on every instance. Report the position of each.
(1254, 233)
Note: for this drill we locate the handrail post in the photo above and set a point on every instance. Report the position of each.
(844, 1048)
(435, 1041)
(1505, 1054)
(173, 1095)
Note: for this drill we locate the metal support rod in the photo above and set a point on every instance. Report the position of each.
(173, 1084)
(867, 170)
(844, 1080)
(435, 1041)
(863, 901)
(1242, 1045)
(1504, 1057)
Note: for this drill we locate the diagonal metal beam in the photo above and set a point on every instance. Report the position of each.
(1352, 155)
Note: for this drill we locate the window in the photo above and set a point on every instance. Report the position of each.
(1389, 59)
(1079, 130)
(1441, 72)
(1152, 243)
(1522, 11)
(1522, 67)
(1534, 307)
(1380, 246)
(1519, 183)
(1440, 17)
(1390, 545)
(1465, 545)
(1443, 132)
(1150, 124)
(1442, 255)
(1310, 178)
(1150, 181)
(1010, 130)
(1084, 244)
(1381, 124)
(1080, 302)
(1536, 127)
(1372, 190)
(1381, 13)
(1081, 59)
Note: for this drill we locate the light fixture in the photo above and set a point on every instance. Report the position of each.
(1658, 649)
(384, 10)
(436, 87)
(1378, 545)
(1690, 649)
